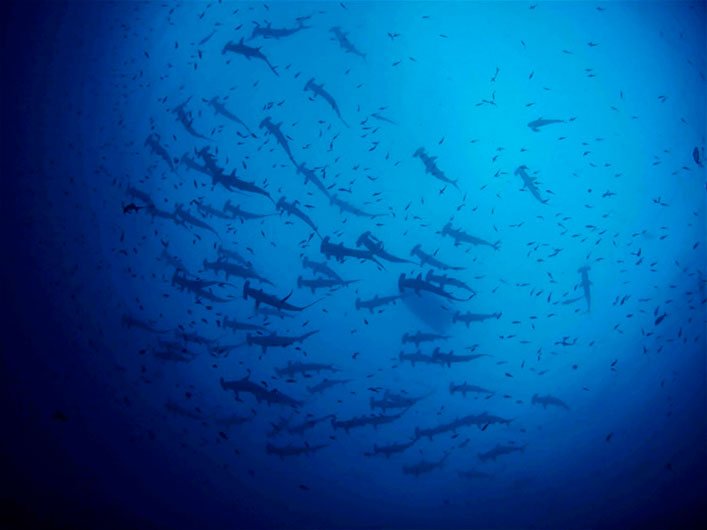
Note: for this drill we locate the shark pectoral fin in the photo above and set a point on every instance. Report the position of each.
(286, 298)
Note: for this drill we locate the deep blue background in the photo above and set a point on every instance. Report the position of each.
(79, 94)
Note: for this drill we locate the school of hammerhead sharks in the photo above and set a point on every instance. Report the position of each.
(255, 315)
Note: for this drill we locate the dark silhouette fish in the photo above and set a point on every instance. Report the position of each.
(343, 40)
(318, 90)
(535, 125)
(249, 52)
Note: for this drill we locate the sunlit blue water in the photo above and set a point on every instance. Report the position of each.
(115, 425)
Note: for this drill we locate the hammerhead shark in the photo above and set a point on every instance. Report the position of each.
(500, 450)
(468, 318)
(418, 284)
(248, 52)
(236, 212)
(376, 301)
(464, 388)
(544, 401)
(261, 393)
(184, 217)
(429, 259)
(220, 108)
(185, 118)
(443, 279)
(540, 122)
(345, 206)
(291, 208)
(320, 267)
(268, 32)
(297, 368)
(230, 182)
(345, 43)
(586, 283)
(276, 130)
(234, 269)
(322, 283)
(261, 297)
(318, 90)
(430, 163)
(460, 236)
(391, 449)
(276, 341)
(424, 466)
(311, 176)
(530, 183)
(339, 251)
(375, 245)
(153, 142)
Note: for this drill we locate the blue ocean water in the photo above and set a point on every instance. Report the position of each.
(525, 182)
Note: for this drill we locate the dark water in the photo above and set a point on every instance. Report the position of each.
(585, 405)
